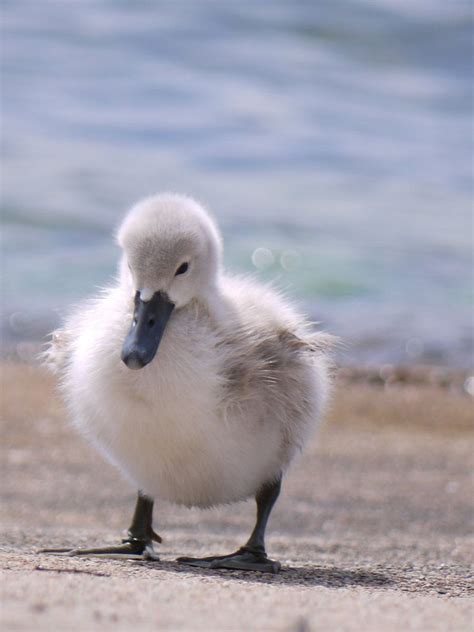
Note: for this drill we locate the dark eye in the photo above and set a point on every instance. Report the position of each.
(182, 268)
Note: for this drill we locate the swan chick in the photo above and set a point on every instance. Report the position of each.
(199, 386)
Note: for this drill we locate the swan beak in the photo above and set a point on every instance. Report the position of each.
(149, 322)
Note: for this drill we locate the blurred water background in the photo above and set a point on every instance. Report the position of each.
(331, 139)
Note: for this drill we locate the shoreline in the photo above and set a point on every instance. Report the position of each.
(413, 375)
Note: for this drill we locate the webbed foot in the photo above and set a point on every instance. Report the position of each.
(244, 560)
(130, 549)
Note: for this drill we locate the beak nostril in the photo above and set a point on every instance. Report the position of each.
(151, 322)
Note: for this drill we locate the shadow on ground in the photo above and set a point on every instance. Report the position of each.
(289, 576)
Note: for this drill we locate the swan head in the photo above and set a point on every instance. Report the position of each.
(172, 253)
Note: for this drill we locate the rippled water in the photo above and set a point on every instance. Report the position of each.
(332, 136)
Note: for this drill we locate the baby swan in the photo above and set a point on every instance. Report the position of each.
(198, 386)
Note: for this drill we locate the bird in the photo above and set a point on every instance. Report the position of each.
(200, 386)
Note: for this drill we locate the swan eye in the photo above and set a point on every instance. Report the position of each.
(182, 268)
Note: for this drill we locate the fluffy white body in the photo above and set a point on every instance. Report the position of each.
(237, 384)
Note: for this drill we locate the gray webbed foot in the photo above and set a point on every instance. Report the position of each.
(130, 549)
(243, 560)
(137, 546)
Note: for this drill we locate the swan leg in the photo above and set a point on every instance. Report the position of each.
(252, 556)
(137, 545)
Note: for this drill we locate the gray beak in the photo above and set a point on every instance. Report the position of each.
(148, 326)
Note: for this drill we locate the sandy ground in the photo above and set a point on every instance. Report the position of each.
(373, 527)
